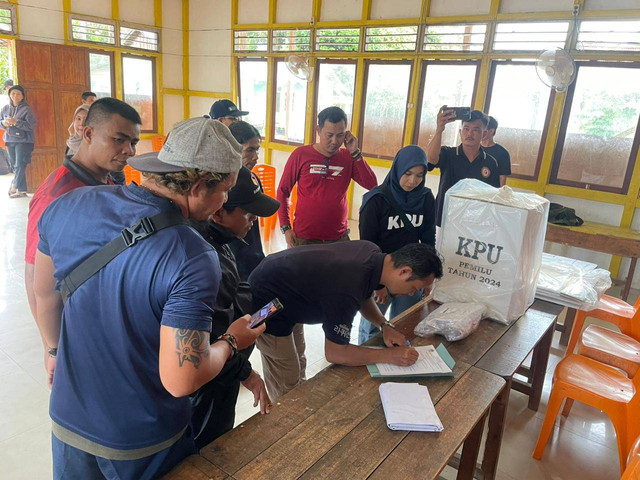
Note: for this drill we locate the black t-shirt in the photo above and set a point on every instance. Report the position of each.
(455, 166)
(502, 157)
(379, 223)
(324, 284)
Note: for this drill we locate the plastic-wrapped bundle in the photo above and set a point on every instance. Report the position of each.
(491, 241)
(454, 321)
(571, 282)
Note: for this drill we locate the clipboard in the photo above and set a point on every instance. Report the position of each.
(440, 349)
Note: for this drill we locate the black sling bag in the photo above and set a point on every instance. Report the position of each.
(143, 228)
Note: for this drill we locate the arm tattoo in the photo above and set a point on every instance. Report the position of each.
(191, 346)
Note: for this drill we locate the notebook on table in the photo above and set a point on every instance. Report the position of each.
(408, 407)
(432, 362)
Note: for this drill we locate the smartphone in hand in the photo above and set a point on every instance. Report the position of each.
(266, 312)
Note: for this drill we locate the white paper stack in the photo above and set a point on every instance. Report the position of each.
(570, 282)
(408, 406)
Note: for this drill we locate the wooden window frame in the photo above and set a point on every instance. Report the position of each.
(154, 96)
(425, 27)
(145, 28)
(423, 79)
(562, 132)
(547, 120)
(274, 91)
(253, 52)
(105, 21)
(239, 83)
(14, 24)
(363, 104)
(111, 63)
(333, 61)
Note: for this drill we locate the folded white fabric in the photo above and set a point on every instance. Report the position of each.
(408, 406)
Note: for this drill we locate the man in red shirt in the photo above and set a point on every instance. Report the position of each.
(323, 172)
(112, 130)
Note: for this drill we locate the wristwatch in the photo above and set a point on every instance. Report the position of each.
(231, 340)
(53, 352)
(285, 228)
(388, 324)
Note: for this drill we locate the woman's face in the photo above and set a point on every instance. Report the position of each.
(412, 178)
(16, 97)
(78, 121)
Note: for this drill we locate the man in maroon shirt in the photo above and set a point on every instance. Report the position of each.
(323, 172)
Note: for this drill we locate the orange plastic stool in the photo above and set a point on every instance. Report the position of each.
(632, 472)
(600, 386)
(267, 176)
(613, 348)
(612, 310)
(157, 142)
(132, 175)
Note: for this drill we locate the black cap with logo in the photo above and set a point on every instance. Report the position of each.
(248, 195)
(225, 108)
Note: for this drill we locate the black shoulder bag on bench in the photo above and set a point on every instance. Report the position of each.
(143, 228)
(406, 222)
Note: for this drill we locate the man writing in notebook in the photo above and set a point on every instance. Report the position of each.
(328, 284)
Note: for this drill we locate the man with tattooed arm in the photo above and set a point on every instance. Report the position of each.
(132, 342)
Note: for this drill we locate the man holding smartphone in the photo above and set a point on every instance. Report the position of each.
(467, 160)
(328, 284)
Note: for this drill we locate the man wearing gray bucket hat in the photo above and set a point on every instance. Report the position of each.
(134, 338)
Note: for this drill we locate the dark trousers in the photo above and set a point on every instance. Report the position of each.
(19, 158)
(213, 410)
(69, 463)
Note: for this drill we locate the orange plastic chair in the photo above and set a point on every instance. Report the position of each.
(267, 176)
(132, 175)
(612, 310)
(613, 348)
(293, 201)
(600, 386)
(632, 472)
(157, 142)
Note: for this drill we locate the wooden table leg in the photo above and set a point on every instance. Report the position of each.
(568, 326)
(627, 283)
(538, 370)
(470, 450)
(497, 416)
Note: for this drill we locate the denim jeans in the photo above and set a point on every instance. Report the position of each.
(398, 305)
(19, 158)
(70, 463)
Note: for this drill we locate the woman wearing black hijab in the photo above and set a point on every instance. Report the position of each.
(394, 214)
(18, 121)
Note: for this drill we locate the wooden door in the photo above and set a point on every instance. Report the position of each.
(54, 77)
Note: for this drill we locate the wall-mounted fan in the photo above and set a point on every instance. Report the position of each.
(299, 67)
(557, 69)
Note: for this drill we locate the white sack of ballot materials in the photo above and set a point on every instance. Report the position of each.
(491, 241)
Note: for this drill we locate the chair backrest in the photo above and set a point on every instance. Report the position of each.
(131, 175)
(157, 142)
(632, 472)
(267, 175)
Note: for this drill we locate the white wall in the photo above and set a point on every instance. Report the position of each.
(137, 11)
(173, 111)
(41, 20)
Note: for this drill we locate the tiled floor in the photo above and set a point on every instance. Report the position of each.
(582, 447)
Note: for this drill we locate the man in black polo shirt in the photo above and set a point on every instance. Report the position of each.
(497, 151)
(328, 284)
(467, 160)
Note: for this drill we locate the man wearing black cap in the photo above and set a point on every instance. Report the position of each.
(214, 403)
(225, 111)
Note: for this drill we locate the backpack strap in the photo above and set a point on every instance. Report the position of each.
(388, 195)
(143, 228)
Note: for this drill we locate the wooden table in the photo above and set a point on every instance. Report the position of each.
(333, 425)
(622, 242)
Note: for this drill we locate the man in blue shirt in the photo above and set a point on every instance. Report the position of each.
(133, 341)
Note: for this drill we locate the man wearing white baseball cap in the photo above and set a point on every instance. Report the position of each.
(134, 338)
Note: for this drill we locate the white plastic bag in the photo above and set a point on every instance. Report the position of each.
(491, 241)
(571, 282)
(454, 321)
